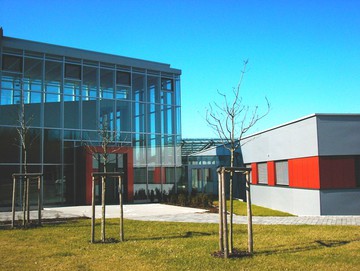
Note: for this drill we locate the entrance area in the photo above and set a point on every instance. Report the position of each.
(119, 160)
(115, 164)
(202, 180)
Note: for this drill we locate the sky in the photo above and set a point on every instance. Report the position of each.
(304, 56)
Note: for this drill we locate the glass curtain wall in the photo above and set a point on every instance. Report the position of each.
(66, 100)
(155, 141)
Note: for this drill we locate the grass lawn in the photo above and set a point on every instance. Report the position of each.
(177, 246)
(240, 209)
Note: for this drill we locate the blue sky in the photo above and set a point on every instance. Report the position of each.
(304, 56)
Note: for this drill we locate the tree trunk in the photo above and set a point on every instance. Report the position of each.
(225, 226)
(27, 200)
(231, 245)
(39, 200)
(24, 201)
(13, 203)
(249, 215)
(121, 210)
(103, 209)
(221, 234)
(93, 211)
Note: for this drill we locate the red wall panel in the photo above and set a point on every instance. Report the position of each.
(337, 172)
(271, 173)
(254, 173)
(157, 175)
(304, 172)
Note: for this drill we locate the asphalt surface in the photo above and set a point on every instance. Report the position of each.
(162, 212)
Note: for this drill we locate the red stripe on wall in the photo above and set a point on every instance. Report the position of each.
(304, 172)
(254, 173)
(130, 173)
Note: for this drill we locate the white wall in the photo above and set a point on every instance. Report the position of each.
(290, 200)
(307, 202)
(293, 140)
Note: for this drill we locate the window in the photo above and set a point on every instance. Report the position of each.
(106, 84)
(166, 84)
(12, 63)
(282, 173)
(263, 173)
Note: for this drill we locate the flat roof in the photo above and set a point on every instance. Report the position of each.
(85, 54)
(302, 119)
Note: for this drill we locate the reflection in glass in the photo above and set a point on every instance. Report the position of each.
(89, 119)
(52, 115)
(153, 89)
(123, 78)
(106, 84)
(138, 87)
(10, 145)
(12, 63)
(123, 119)
(107, 114)
(90, 82)
(72, 88)
(122, 92)
(72, 115)
(53, 75)
(52, 146)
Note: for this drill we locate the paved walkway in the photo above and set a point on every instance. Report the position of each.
(161, 212)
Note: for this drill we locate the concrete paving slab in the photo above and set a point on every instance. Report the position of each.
(163, 212)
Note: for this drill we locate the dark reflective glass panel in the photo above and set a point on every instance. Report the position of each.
(73, 71)
(12, 63)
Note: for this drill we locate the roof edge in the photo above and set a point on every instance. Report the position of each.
(82, 53)
(302, 119)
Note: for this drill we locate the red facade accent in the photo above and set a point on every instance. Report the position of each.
(254, 173)
(304, 172)
(314, 172)
(157, 175)
(337, 172)
(271, 173)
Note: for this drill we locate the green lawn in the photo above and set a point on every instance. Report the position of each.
(240, 209)
(178, 246)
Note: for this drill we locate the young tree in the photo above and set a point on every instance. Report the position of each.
(108, 146)
(24, 144)
(231, 120)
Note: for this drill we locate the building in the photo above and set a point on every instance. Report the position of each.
(201, 159)
(68, 94)
(309, 166)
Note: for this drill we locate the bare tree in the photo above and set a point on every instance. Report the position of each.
(24, 144)
(108, 146)
(231, 120)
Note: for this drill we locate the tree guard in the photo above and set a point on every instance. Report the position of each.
(26, 178)
(223, 225)
(96, 176)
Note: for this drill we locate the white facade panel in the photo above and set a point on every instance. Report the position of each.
(293, 140)
(340, 202)
(290, 200)
(339, 134)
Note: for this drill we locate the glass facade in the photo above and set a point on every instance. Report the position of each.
(67, 98)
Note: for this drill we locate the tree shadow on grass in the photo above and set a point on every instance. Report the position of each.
(188, 234)
(317, 244)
